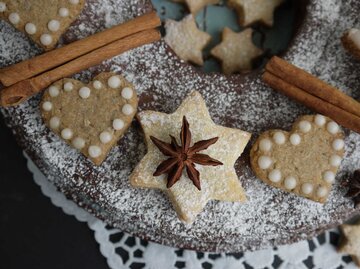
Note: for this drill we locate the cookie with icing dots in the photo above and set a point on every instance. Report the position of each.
(91, 118)
(44, 21)
(303, 161)
(351, 42)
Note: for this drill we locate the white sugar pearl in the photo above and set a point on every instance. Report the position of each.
(335, 160)
(295, 139)
(321, 192)
(290, 183)
(338, 144)
(332, 127)
(74, 2)
(118, 124)
(78, 143)
(54, 25)
(265, 145)
(320, 120)
(275, 176)
(127, 109)
(105, 137)
(97, 85)
(84, 92)
(279, 138)
(54, 91)
(127, 93)
(54, 123)
(304, 126)
(329, 176)
(47, 106)
(114, 82)
(2, 6)
(94, 151)
(14, 18)
(264, 162)
(63, 12)
(30, 28)
(46, 39)
(68, 86)
(67, 134)
(307, 188)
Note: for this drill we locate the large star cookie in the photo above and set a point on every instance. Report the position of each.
(217, 182)
(236, 51)
(186, 39)
(196, 5)
(350, 243)
(251, 11)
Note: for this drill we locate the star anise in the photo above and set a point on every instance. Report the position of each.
(354, 188)
(183, 156)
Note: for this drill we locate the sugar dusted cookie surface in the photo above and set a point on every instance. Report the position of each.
(44, 21)
(304, 161)
(218, 183)
(350, 242)
(351, 42)
(91, 118)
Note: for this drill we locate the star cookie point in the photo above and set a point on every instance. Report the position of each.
(350, 242)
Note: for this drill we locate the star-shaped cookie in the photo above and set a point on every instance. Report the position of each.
(236, 51)
(350, 243)
(196, 5)
(186, 39)
(251, 11)
(217, 182)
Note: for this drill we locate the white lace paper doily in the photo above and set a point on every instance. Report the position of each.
(124, 251)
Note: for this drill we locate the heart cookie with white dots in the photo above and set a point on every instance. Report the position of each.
(92, 117)
(44, 21)
(304, 161)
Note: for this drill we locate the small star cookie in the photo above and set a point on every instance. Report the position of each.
(186, 39)
(196, 5)
(350, 243)
(236, 51)
(251, 11)
(218, 182)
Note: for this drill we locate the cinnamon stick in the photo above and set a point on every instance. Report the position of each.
(22, 90)
(336, 113)
(311, 84)
(37, 65)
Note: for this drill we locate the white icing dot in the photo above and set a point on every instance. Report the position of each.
(335, 160)
(68, 86)
(63, 12)
(290, 183)
(320, 120)
(114, 82)
(118, 124)
(46, 39)
(54, 25)
(94, 151)
(105, 137)
(338, 144)
(84, 92)
(54, 91)
(30, 28)
(66, 133)
(305, 126)
(295, 139)
(332, 127)
(54, 123)
(329, 176)
(127, 109)
(307, 188)
(127, 93)
(275, 176)
(47, 106)
(2, 6)
(14, 18)
(321, 192)
(78, 143)
(74, 2)
(264, 162)
(265, 144)
(97, 85)
(279, 138)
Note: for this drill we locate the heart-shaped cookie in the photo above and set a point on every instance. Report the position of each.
(304, 161)
(44, 21)
(92, 117)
